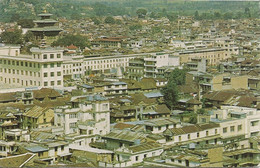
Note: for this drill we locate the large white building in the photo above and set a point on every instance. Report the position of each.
(42, 68)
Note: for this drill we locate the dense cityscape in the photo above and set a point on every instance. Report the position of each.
(129, 83)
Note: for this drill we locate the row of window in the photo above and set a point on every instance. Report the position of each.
(48, 56)
(52, 83)
(19, 81)
(20, 72)
(52, 65)
(20, 63)
(232, 128)
(51, 74)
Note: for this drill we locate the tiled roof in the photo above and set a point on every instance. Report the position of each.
(160, 121)
(162, 109)
(35, 112)
(16, 161)
(45, 92)
(122, 126)
(125, 135)
(190, 129)
(4, 97)
(148, 84)
(145, 147)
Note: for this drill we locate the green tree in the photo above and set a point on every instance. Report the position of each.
(77, 40)
(170, 91)
(170, 94)
(141, 13)
(12, 37)
(28, 37)
(118, 21)
(135, 27)
(178, 76)
(217, 15)
(110, 20)
(15, 17)
(196, 15)
(26, 23)
(95, 20)
(156, 29)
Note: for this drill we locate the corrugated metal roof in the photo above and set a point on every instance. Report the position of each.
(36, 149)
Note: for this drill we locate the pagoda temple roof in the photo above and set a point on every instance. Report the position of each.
(45, 21)
(45, 14)
(40, 29)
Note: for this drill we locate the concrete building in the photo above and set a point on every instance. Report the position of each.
(212, 55)
(86, 119)
(42, 68)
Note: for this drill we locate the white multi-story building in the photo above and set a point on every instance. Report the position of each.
(42, 68)
(156, 60)
(249, 124)
(79, 66)
(86, 120)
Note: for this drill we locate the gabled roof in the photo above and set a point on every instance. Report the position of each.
(45, 92)
(190, 129)
(162, 109)
(72, 47)
(35, 112)
(4, 97)
(125, 135)
(122, 126)
(148, 84)
(145, 147)
(160, 121)
(16, 161)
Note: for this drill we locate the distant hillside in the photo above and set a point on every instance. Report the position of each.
(13, 10)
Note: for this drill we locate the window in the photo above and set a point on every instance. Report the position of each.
(56, 149)
(72, 125)
(58, 82)
(90, 132)
(232, 128)
(136, 158)
(45, 65)
(225, 130)
(188, 136)
(52, 74)
(239, 127)
(45, 83)
(58, 64)
(207, 133)
(62, 147)
(58, 73)
(198, 134)
(45, 74)
(52, 65)
(52, 56)
(254, 123)
(45, 56)
(73, 116)
(179, 138)
(58, 56)
(216, 131)
(52, 83)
